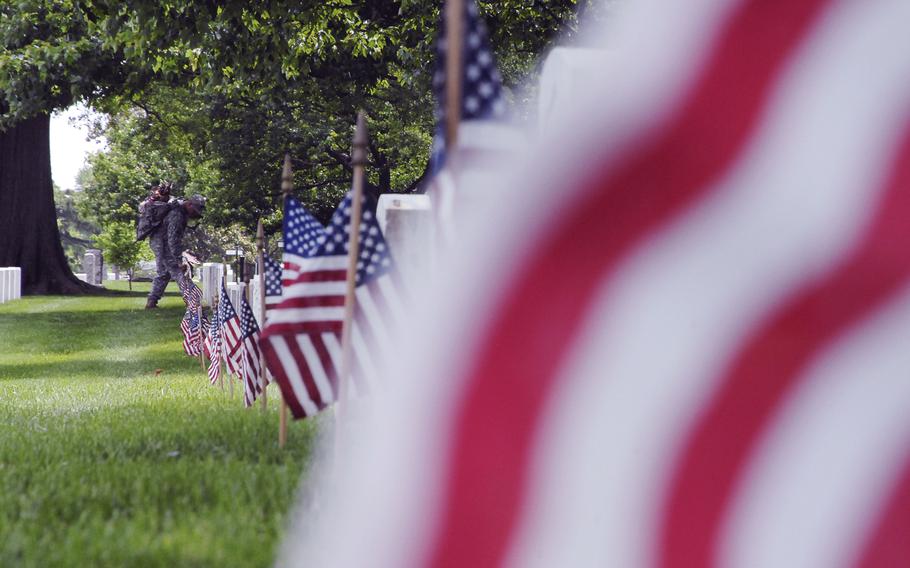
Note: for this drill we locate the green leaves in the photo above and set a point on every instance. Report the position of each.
(118, 242)
(212, 94)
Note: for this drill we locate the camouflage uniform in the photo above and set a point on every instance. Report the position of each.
(166, 241)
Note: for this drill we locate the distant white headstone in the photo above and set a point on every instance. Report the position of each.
(10, 284)
(255, 302)
(235, 293)
(407, 224)
(210, 275)
(93, 265)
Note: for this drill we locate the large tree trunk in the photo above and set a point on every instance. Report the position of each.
(28, 221)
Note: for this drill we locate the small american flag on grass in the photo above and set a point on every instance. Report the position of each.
(250, 368)
(193, 324)
(230, 332)
(213, 348)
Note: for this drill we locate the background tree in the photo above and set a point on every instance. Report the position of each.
(51, 54)
(222, 89)
(119, 245)
(326, 61)
(76, 232)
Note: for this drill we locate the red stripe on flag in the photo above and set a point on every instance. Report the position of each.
(281, 377)
(303, 327)
(317, 276)
(327, 365)
(334, 301)
(888, 544)
(305, 372)
(771, 364)
(529, 338)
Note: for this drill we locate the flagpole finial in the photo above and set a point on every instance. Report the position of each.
(361, 140)
(287, 176)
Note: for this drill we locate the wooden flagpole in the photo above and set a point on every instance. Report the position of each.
(260, 244)
(287, 188)
(243, 359)
(218, 362)
(358, 161)
(200, 335)
(227, 368)
(454, 14)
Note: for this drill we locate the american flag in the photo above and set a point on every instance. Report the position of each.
(192, 328)
(482, 133)
(251, 374)
(688, 346)
(192, 295)
(213, 348)
(230, 332)
(301, 340)
(273, 281)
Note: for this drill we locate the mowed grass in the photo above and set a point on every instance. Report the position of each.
(115, 450)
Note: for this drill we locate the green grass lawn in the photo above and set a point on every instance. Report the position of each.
(105, 463)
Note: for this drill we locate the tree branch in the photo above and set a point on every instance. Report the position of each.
(342, 158)
(149, 113)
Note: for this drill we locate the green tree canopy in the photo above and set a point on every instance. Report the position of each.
(213, 93)
(249, 82)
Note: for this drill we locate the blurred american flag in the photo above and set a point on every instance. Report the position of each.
(684, 341)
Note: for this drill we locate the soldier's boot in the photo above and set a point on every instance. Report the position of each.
(151, 303)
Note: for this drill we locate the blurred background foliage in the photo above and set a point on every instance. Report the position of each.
(211, 94)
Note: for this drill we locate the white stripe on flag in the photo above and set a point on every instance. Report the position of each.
(394, 308)
(303, 264)
(311, 289)
(320, 377)
(289, 364)
(333, 346)
(364, 356)
(371, 317)
(300, 315)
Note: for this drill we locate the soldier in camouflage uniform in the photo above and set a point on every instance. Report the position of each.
(166, 241)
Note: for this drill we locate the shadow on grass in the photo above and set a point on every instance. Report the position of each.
(135, 293)
(102, 370)
(127, 306)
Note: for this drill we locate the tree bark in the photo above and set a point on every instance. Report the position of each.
(29, 237)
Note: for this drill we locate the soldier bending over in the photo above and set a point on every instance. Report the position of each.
(166, 241)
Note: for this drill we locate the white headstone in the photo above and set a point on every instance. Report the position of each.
(407, 225)
(10, 284)
(235, 293)
(210, 274)
(255, 301)
(93, 265)
(6, 288)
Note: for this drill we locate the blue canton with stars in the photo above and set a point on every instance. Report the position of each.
(215, 333)
(374, 258)
(248, 325)
(481, 91)
(272, 275)
(301, 230)
(225, 308)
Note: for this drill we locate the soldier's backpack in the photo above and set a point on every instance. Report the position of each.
(151, 215)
